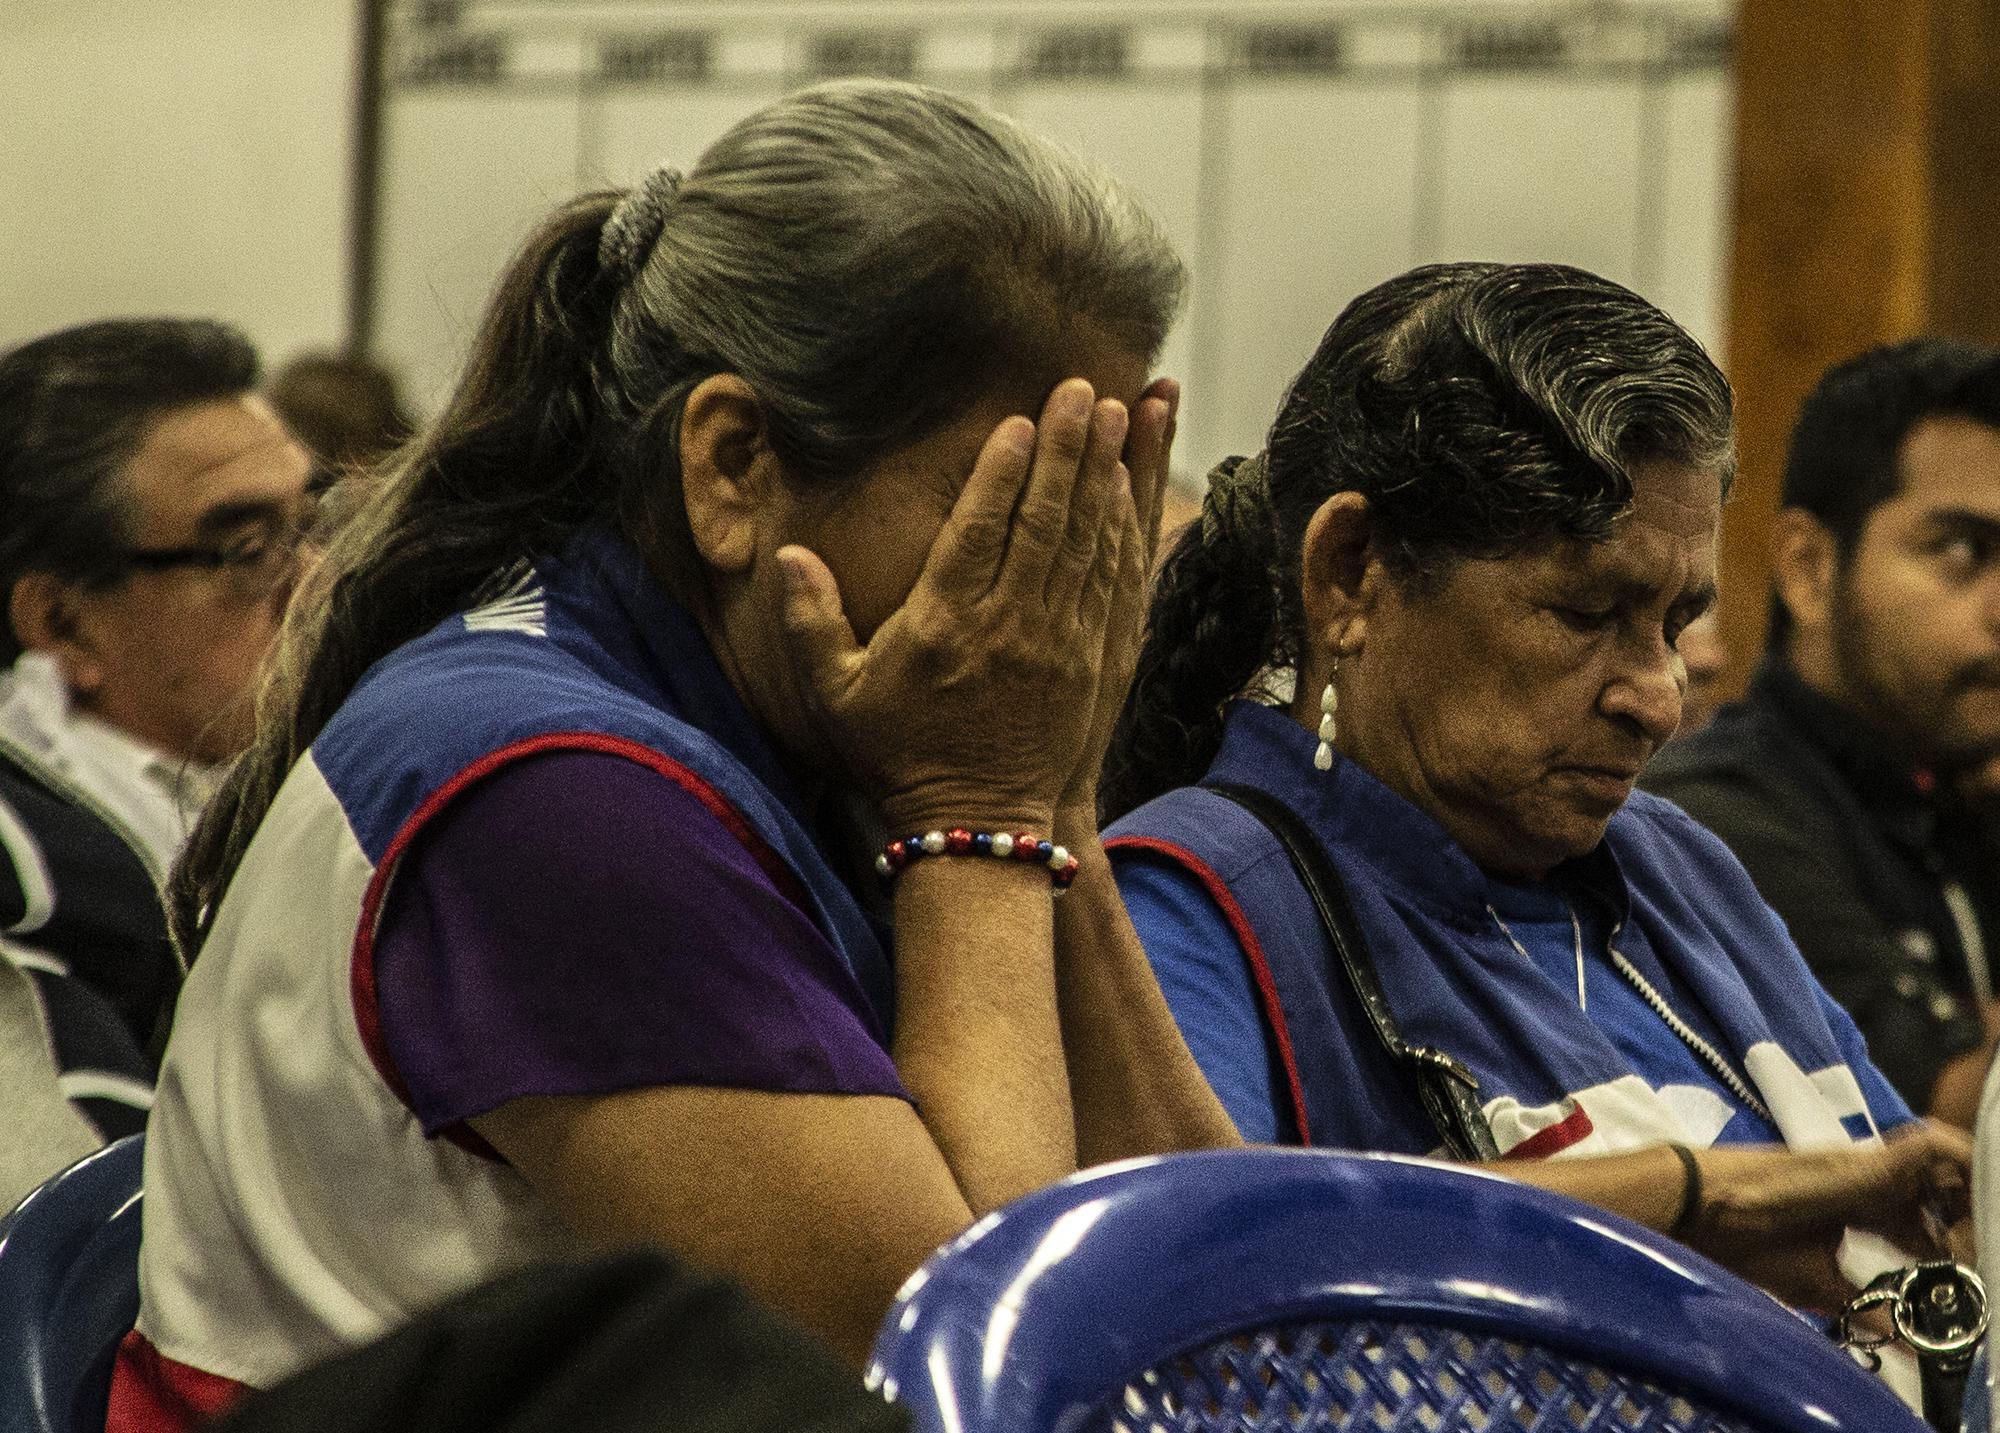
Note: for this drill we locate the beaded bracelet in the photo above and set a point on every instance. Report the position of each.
(1023, 846)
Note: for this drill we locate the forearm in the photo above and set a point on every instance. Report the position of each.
(822, 1205)
(1777, 1216)
(978, 1043)
(1646, 1186)
(1136, 1088)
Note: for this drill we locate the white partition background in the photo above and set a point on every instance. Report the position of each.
(1541, 167)
(187, 158)
(469, 174)
(1685, 233)
(1149, 133)
(637, 131)
(1296, 153)
(1297, 229)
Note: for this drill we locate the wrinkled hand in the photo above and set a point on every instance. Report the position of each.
(1777, 1217)
(971, 703)
(1148, 454)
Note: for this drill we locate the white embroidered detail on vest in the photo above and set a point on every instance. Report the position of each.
(523, 611)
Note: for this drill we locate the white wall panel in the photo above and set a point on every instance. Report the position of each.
(469, 174)
(1318, 202)
(1537, 166)
(1290, 180)
(189, 158)
(632, 132)
(1150, 136)
(1688, 232)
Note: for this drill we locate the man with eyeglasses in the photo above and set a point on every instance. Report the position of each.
(151, 512)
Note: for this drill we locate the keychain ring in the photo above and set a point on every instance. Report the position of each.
(1906, 1329)
(1844, 1331)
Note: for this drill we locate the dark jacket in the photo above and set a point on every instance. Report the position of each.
(626, 1343)
(82, 918)
(1891, 891)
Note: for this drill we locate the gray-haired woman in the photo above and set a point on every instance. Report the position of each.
(782, 509)
(1487, 511)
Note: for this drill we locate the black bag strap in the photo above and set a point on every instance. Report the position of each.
(1447, 1090)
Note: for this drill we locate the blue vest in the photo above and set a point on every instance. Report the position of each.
(586, 652)
(1451, 977)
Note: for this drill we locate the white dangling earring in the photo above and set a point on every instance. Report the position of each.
(1329, 702)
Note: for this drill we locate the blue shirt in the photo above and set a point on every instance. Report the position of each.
(1254, 991)
(1537, 914)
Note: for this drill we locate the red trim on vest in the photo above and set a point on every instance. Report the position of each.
(1253, 955)
(151, 1393)
(361, 969)
(1572, 1128)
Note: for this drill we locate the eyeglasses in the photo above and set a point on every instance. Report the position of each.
(251, 566)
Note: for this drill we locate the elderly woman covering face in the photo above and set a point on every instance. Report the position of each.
(1487, 511)
(794, 504)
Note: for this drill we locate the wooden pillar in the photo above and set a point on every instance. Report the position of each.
(364, 185)
(1867, 210)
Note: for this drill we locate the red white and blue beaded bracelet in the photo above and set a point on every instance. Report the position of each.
(1023, 846)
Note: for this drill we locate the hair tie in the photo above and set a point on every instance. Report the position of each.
(1234, 481)
(634, 226)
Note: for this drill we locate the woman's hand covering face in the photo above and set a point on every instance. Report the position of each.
(1149, 449)
(977, 702)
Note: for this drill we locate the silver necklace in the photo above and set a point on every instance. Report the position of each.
(1576, 937)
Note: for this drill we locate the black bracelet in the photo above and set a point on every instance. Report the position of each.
(1690, 1209)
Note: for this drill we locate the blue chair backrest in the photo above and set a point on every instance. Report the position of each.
(69, 1291)
(1243, 1291)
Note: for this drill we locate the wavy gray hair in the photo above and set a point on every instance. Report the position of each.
(870, 256)
(1482, 409)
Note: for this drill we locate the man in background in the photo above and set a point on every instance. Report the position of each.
(1706, 656)
(344, 409)
(150, 512)
(1850, 778)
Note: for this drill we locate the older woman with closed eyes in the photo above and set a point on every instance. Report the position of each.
(1427, 638)
(797, 501)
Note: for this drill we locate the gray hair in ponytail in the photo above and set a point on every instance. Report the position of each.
(872, 258)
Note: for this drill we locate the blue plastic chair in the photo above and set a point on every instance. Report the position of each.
(1253, 1291)
(69, 1292)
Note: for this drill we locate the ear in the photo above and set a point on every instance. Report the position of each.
(46, 613)
(1340, 575)
(727, 469)
(1805, 561)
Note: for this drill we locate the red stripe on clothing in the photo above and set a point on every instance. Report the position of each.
(151, 1393)
(1573, 1128)
(361, 970)
(1253, 955)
